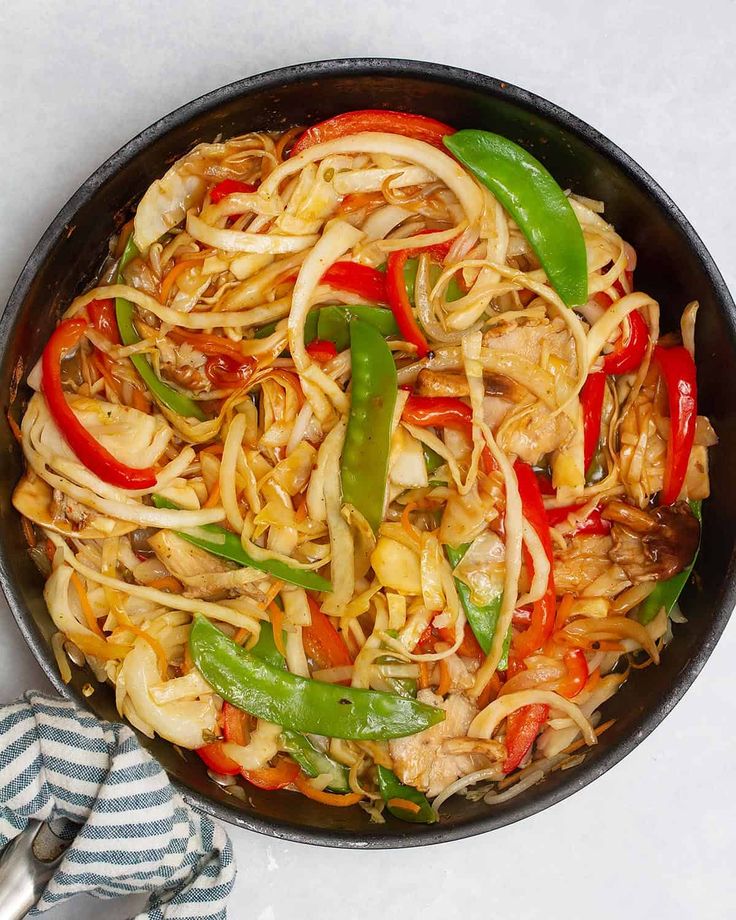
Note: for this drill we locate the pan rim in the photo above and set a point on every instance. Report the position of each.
(371, 66)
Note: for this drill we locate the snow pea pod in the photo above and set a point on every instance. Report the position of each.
(165, 394)
(667, 592)
(298, 703)
(333, 322)
(395, 793)
(312, 761)
(535, 201)
(221, 542)
(482, 618)
(364, 465)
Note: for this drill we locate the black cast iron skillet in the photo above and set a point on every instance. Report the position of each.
(673, 265)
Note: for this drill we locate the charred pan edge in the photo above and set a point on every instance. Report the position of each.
(523, 807)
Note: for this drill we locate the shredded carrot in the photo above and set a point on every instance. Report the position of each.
(404, 804)
(445, 682)
(563, 611)
(28, 532)
(358, 200)
(89, 614)
(301, 511)
(326, 798)
(139, 400)
(214, 449)
(50, 550)
(163, 661)
(166, 583)
(271, 593)
(576, 745)
(102, 366)
(593, 680)
(277, 622)
(423, 675)
(14, 427)
(168, 281)
(194, 256)
(490, 691)
(212, 345)
(214, 496)
(241, 635)
(407, 524)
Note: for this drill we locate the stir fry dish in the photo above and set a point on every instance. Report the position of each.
(364, 471)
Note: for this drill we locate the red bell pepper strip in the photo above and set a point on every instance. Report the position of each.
(276, 777)
(322, 642)
(89, 451)
(358, 279)
(591, 401)
(577, 674)
(419, 127)
(398, 300)
(543, 611)
(678, 370)
(444, 412)
(438, 412)
(217, 760)
(469, 647)
(229, 187)
(628, 355)
(283, 773)
(321, 350)
(522, 728)
(592, 524)
(102, 314)
(604, 300)
(545, 484)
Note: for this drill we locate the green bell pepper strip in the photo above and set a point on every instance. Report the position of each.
(312, 761)
(535, 201)
(298, 703)
(364, 465)
(391, 788)
(221, 542)
(165, 394)
(482, 619)
(667, 592)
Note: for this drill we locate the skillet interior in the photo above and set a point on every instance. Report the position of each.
(673, 265)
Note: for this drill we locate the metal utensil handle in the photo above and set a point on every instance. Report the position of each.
(23, 875)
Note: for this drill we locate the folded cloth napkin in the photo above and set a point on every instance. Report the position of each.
(134, 833)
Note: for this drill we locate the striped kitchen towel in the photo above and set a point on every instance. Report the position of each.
(133, 832)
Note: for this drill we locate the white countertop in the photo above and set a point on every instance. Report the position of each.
(655, 836)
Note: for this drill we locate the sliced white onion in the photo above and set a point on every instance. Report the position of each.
(486, 722)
